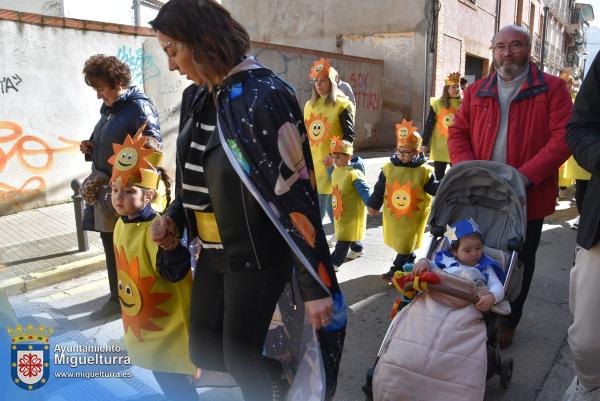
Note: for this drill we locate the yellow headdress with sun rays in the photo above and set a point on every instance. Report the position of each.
(133, 164)
(322, 68)
(452, 79)
(407, 135)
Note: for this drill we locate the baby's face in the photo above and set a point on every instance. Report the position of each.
(469, 251)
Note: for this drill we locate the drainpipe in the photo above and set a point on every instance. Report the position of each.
(498, 11)
(546, 8)
(431, 14)
(136, 12)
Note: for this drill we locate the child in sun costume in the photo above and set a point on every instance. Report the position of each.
(326, 117)
(440, 118)
(155, 310)
(349, 197)
(404, 187)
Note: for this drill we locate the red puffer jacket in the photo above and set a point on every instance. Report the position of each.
(536, 131)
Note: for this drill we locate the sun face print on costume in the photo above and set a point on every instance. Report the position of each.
(445, 120)
(318, 129)
(402, 200)
(138, 302)
(129, 294)
(130, 157)
(337, 203)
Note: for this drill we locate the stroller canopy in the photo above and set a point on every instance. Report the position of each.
(491, 193)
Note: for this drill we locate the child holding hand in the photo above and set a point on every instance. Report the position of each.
(154, 285)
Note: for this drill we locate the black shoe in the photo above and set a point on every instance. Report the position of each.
(387, 277)
(111, 308)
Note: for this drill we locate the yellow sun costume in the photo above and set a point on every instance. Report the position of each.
(444, 120)
(322, 124)
(406, 204)
(155, 311)
(349, 211)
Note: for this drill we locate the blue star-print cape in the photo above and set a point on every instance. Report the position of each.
(445, 258)
(263, 134)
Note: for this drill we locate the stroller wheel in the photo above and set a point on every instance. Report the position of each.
(506, 371)
(368, 387)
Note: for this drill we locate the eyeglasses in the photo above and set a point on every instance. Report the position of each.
(513, 47)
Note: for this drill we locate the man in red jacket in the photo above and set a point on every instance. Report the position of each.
(517, 115)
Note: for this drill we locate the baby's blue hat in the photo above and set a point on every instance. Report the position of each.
(460, 229)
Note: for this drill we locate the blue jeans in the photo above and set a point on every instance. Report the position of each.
(341, 250)
(325, 206)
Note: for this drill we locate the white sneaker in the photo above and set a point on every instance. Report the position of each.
(353, 255)
(577, 392)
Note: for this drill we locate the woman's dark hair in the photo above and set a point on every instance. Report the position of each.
(108, 69)
(217, 41)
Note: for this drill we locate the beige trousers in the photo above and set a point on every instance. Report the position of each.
(584, 303)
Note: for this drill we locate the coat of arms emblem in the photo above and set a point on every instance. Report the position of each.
(30, 356)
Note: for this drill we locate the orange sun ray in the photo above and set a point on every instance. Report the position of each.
(318, 129)
(402, 200)
(140, 319)
(445, 120)
(337, 203)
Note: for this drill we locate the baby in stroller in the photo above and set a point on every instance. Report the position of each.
(438, 347)
(465, 258)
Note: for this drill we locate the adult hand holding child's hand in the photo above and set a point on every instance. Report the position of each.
(164, 232)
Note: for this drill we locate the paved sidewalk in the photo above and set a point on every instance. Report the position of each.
(39, 247)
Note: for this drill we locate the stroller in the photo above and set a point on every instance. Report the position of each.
(493, 194)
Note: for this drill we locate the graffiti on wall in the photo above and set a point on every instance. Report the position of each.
(365, 98)
(11, 83)
(143, 68)
(33, 154)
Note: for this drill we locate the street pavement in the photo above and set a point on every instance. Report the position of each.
(542, 368)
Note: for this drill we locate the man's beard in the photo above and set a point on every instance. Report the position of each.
(510, 72)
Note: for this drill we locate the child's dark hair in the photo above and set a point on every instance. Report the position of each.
(167, 182)
(455, 244)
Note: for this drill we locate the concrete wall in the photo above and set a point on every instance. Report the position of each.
(45, 7)
(46, 109)
(113, 11)
(380, 29)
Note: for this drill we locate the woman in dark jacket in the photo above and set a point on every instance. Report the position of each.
(124, 110)
(246, 144)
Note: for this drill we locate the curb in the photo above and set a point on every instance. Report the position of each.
(53, 275)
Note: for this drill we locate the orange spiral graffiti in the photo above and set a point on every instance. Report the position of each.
(22, 148)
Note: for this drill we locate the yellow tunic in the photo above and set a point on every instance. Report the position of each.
(349, 211)
(155, 312)
(406, 206)
(322, 123)
(439, 137)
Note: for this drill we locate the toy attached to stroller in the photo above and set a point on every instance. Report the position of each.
(436, 347)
